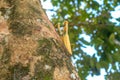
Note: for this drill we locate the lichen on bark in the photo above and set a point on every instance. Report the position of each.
(34, 51)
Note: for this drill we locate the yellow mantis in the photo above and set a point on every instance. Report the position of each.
(65, 36)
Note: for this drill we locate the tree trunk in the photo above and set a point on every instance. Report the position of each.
(30, 48)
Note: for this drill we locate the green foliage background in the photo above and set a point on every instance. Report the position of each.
(92, 17)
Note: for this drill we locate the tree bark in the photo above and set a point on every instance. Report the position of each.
(30, 48)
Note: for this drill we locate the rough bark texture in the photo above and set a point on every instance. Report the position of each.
(30, 48)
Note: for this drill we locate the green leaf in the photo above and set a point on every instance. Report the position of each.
(92, 63)
(112, 38)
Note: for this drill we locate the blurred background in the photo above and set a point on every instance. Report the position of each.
(94, 30)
